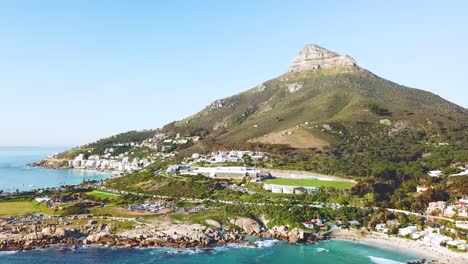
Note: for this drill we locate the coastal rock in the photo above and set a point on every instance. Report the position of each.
(213, 223)
(295, 235)
(57, 232)
(98, 237)
(250, 226)
(34, 236)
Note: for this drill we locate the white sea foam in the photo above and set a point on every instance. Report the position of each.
(7, 252)
(266, 243)
(258, 244)
(174, 251)
(384, 260)
(321, 249)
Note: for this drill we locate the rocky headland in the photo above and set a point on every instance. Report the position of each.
(28, 236)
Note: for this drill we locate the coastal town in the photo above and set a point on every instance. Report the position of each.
(443, 225)
(109, 213)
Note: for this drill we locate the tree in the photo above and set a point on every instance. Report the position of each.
(247, 160)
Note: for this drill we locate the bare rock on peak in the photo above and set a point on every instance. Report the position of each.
(313, 57)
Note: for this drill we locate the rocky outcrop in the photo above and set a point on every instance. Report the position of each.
(34, 236)
(313, 57)
(213, 223)
(294, 87)
(101, 237)
(293, 236)
(250, 226)
(51, 163)
(42, 234)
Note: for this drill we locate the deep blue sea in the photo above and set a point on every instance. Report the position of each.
(16, 174)
(333, 251)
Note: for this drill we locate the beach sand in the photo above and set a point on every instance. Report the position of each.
(421, 249)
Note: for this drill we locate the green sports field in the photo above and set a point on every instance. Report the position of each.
(102, 194)
(310, 183)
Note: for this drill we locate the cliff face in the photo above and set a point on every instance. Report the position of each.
(313, 57)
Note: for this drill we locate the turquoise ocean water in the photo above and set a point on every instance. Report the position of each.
(16, 174)
(333, 251)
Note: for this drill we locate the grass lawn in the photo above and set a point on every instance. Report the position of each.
(22, 207)
(309, 182)
(102, 195)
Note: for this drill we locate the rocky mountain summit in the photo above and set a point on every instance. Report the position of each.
(313, 57)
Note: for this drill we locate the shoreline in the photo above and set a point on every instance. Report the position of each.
(421, 249)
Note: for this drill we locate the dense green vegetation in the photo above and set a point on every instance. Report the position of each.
(390, 166)
(310, 182)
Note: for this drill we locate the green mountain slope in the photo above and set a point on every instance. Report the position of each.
(333, 90)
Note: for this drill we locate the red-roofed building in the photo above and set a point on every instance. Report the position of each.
(308, 224)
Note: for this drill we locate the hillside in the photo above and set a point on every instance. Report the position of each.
(319, 88)
(325, 114)
(322, 99)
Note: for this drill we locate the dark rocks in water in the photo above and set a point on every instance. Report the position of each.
(62, 249)
(420, 261)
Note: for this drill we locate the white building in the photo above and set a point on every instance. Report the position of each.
(227, 171)
(382, 228)
(275, 188)
(436, 207)
(422, 188)
(436, 238)
(435, 173)
(42, 199)
(407, 230)
(462, 224)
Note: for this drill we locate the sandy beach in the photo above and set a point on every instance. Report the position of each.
(421, 249)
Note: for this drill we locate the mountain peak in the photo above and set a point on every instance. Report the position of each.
(313, 57)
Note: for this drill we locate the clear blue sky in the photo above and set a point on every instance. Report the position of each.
(75, 71)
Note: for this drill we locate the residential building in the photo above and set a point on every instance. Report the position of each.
(462, 224)
(382, 228)
(423, 188)
(227, 171)
(435, 173)
(308, 224)
(436, 208)
(407, 230)
(274, 188)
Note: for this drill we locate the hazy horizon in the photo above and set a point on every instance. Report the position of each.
(72, 73)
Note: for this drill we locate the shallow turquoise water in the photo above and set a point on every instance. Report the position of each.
(334, 251)
(15, 174)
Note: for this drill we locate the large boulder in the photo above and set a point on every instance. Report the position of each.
(57, 232)
(60, 232)
(295, 235)
(250, 226)
(34, 236)
(213, 223)
(47, 231)
(98, 237)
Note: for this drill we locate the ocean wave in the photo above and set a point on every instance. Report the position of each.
(266, 243)
(384, 260)
(173, 251)
(7, 252)
(321, 249)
